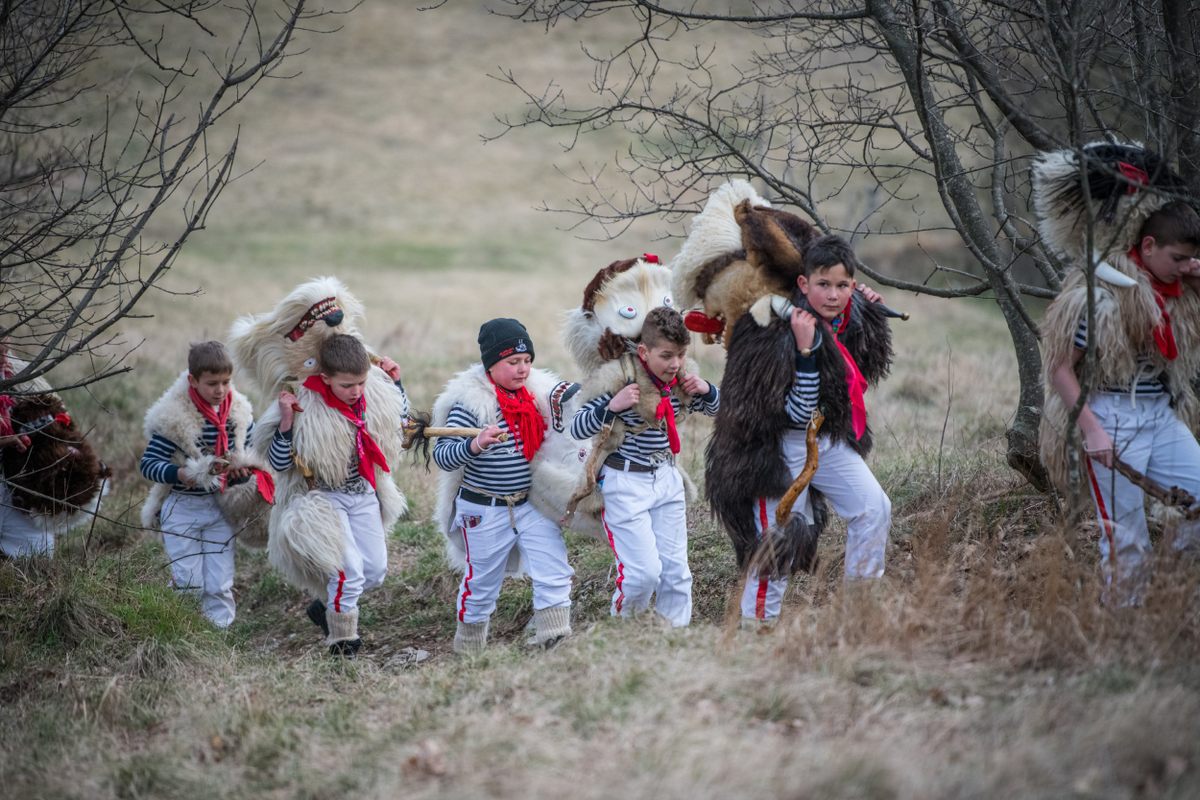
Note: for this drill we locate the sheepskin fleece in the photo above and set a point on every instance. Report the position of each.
(174, 416)
(557, 468)
(1123, 328)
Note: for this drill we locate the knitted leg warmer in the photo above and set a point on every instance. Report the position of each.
(551, 625)
(343, 627)
(471, 638)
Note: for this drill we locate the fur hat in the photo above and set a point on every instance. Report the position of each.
(501, 338)
(1126, 183)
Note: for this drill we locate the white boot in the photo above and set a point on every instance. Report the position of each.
(343, 633)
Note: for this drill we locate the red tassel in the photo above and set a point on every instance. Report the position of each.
(650, 258)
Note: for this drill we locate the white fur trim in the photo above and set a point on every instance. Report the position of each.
(307, 542)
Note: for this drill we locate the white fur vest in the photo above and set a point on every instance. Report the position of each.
(556, 468)
(175, 417)
(1123, 330)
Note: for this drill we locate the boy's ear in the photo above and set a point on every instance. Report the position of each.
(327, 379)
(1147, 243)
(192, 382)
(802, 282)
(642, 350)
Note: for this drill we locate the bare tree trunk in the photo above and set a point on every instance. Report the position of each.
(1184, 86)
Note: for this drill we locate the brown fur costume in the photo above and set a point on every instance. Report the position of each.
(175, 417)
(1125, 316)
(59, 474)
(279, 348)
(738, 254)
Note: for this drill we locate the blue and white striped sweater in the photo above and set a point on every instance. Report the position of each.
(157, 465)
(501, 469)
(647, 447)
(1149, 381)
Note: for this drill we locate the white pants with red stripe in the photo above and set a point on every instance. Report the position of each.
(1149, 437)
(199, 544)
(488, 539)
(19, 536)
(364, 561)
(847, 482)
(645, 518)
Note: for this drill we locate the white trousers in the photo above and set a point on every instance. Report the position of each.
(847, 482)
(199, 544)
(364, 561)
(19, 536)
(1149, 437)
(645, 519)
(488, 538)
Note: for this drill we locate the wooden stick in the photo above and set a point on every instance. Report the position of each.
(784, 509)
(1173, 497)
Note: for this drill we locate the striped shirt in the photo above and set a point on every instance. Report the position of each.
(157, 465)
(1148, 381)
(501, 469)
(806, 388)
(649, 446)
(282, 457)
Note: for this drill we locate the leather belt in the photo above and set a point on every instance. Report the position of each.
(625, 465)
(488, 500)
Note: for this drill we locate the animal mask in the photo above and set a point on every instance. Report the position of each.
(614, 307)
(282, 344)
(739, 253)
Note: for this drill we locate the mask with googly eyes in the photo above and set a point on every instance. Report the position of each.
(615, 305)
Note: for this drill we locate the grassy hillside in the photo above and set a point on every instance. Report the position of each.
(982, 665)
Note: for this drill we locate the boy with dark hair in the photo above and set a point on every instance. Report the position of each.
(343, 473)
(1145, 332)
(199, 436)
(827, 326)
(490, 478)
(645, 512)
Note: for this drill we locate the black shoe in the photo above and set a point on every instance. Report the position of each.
(347, 648)
(316, 612)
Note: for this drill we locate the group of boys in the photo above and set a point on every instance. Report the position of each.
(1129, 419)
(644, 517)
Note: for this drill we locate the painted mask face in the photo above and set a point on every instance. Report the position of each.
(212, 386)
(346, 386)
(664, 359)
(827, 290)
(1166, 261)
(511, 373)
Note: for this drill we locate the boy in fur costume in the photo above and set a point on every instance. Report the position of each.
(645, 512)
(199, 434)
(490, 476)
(837, 345)
(344, 488)
(1144, 322)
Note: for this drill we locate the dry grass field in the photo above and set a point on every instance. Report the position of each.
(982, 665)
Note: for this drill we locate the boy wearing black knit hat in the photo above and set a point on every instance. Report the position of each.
(492, 529)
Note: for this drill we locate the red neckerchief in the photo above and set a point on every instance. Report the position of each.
(856, 384)
(522, 416)
(219, 418)
(1164, 336)
(665, 408)
(369, 454)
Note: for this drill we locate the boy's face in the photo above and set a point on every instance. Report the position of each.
(511, 373)
(828, 290)
(346, 386)
(1167, 262)
(664, 359)
(212, 386)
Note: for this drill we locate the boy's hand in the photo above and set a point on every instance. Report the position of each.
(1099, 446)
(17, 440)
(239, 473)
(486, 438)
(695, 385)
(804, 328)
(288, 406)
(625, 399)
(869, 294)
(390, 367)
